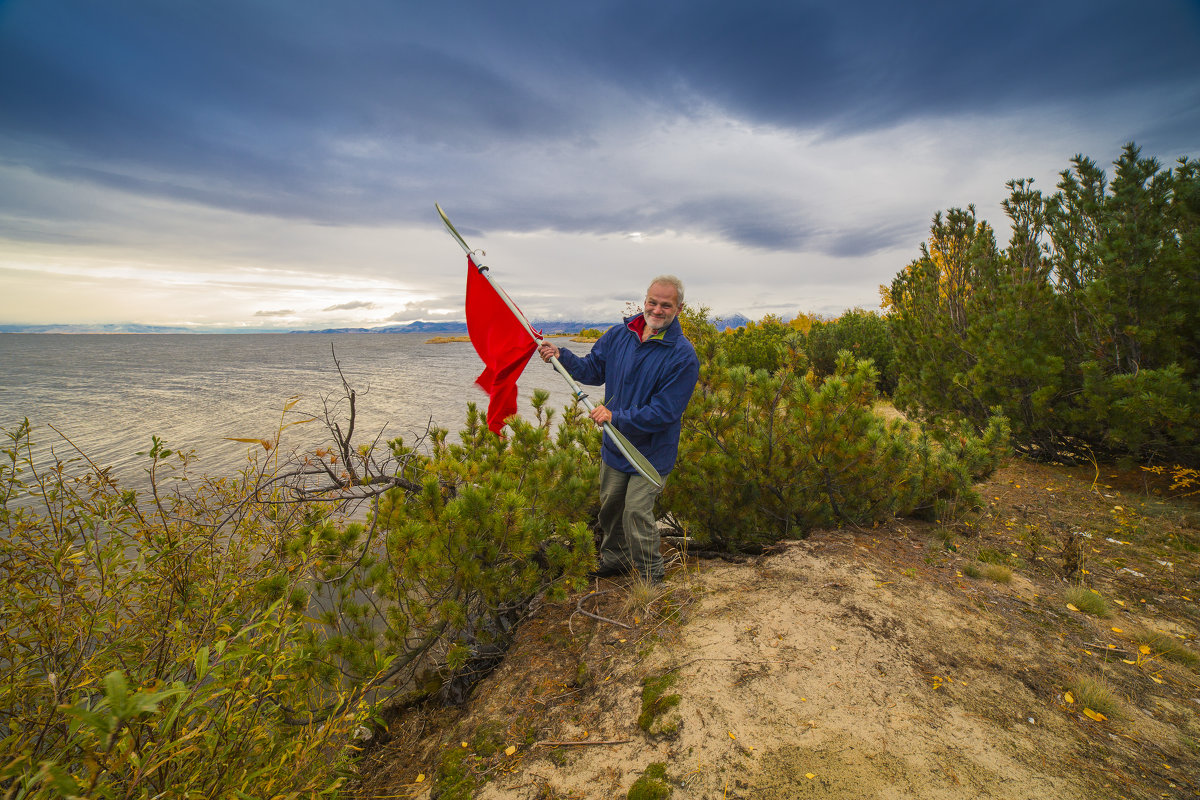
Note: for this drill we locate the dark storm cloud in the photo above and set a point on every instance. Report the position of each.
(365, 111)
(851, 65)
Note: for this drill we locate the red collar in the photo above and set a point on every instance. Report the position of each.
(638, 326)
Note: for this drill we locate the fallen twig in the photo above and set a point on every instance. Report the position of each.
(580, 744)
(580, 610)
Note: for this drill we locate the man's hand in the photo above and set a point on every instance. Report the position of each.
(601, 415)
(547, 351)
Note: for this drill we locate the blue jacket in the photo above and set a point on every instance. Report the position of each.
(647, 386)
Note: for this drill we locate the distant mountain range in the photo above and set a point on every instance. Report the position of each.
(114, 327)
(420, 326)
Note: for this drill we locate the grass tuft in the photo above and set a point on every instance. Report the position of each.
(994, 572)
(1087, 601)
(1096, 694)
(640, 595)
(1167, 646)
(998, 573)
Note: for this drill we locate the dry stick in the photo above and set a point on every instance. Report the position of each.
(580, 744)
(579, 608)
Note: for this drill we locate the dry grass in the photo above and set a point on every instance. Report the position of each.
(998, 573)
(641, 595)
(993, 572)
(1165, 645)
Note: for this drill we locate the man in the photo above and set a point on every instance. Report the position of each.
(649, 370)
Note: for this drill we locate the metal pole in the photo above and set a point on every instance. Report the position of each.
(635, 458)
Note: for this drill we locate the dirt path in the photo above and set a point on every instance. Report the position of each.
(851, 665)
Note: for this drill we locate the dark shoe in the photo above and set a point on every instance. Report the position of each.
(611, 571)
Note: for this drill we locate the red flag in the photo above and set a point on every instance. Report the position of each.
(501, 341)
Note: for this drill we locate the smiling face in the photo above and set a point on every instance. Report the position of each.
(661, 306)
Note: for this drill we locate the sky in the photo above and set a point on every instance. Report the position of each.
(274, 164)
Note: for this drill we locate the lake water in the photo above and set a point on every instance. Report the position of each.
(110, 393)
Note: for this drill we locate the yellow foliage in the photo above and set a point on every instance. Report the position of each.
(803, 322)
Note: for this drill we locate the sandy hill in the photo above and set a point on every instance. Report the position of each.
(915, 660)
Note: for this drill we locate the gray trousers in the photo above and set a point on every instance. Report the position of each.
(627, 520)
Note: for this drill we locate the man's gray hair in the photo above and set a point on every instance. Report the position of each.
(670, 280)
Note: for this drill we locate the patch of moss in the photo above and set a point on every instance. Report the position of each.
(488, 739)
(582, 675)
(655, 700)
(455, 780)
(652, 785)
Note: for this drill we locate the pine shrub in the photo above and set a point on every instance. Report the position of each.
(1084, 331)
(769, 456)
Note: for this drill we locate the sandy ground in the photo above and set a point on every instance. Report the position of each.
(852, 664)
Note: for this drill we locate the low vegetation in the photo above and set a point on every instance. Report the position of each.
(233, 635)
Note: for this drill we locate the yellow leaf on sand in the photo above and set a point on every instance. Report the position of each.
(1118, 602)
(1070, 698)
(421, 777)
(731, 736)
(508, 751)
(1127, 661)
(1096, 715)
(1156, 679)
(809, 775)
(1072, 607)
(1117, 630)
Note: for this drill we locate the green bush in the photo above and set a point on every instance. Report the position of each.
(863, 334)
(141, 657)
(769, 345)
(484, 526)
(764, 457)
(1084, 331)
(222, 636)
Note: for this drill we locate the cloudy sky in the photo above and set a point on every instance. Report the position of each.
(274, 163)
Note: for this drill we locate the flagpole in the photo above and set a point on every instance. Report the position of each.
(635, 458)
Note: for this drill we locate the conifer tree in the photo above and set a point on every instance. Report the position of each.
(1083, 330)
